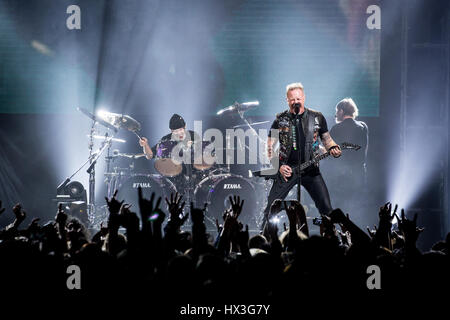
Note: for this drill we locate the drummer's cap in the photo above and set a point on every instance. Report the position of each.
(176, 122)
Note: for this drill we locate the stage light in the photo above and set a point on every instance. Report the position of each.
(101, 113)
(76, 190)
(275, 220)
(72, 195)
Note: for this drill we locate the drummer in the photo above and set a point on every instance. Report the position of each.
(178, 133)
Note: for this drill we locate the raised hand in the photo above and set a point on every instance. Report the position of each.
(272, 231)
(398, 240)
(199, 236)
(291, 212)
(34, 225)
(345, 237)
(114, 207)
(146, 206)
(113, 204)
(294, 213)
(103, 229)
(175, 209)
(297, 217)
(386, 215)
(337, 216)
(236, 205)
(373, 232)
(61, 216)
(158, 217)
(327, 228)
(19, 213)
(242, 238)
(129, 219)
(409, 228)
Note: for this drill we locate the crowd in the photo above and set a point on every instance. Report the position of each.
(155, 259)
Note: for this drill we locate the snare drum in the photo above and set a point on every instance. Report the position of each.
(208, 157)
(164, 163)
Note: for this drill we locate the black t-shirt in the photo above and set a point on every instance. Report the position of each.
(299, 141)
(190, 135)
(352, 131)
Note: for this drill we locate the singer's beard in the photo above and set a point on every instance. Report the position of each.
(296, 107)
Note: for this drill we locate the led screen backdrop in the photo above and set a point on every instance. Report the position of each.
(236, 51)
(325, 44)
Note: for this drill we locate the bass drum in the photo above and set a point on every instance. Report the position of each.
(216, 191)
(128, 189)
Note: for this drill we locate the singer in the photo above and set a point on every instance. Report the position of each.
(299, 129)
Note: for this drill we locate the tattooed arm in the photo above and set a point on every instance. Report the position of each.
(330, 145)
(327, 140)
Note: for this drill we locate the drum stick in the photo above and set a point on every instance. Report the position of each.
(137, 135)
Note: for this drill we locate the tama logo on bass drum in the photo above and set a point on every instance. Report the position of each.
(142, 185)
(232, 186)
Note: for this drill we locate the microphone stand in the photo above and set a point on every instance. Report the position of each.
(260, 140)
(241, 114)
(91, 172)
(92, 160)
(299, 178)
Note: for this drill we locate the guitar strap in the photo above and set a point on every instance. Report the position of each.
(309, 135)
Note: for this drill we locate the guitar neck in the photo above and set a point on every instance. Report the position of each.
(303, 166)
(306, 164)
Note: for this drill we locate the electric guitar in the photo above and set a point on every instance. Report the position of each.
(295, 171)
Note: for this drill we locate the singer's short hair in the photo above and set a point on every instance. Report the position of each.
(293, 86)
(348, 106)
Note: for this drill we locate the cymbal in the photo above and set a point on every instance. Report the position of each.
(238, 107)
(130, 155)
(100, 121)
(118, 120)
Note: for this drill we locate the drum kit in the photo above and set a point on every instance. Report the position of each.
(201, 182)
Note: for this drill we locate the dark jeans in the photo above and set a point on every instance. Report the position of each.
(314, 184)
